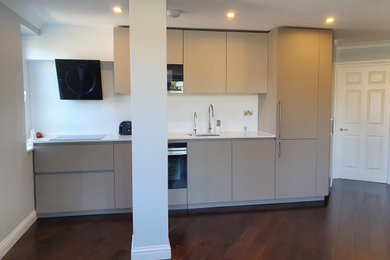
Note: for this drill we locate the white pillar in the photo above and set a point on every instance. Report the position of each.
(150, 129)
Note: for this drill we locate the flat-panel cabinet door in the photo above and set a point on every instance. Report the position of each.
(297, 82)
(122, 60)
(204, 62)
(174, 46)
(123, 177)
(324, 112)
(74, 192)
(296, 168)
(246, 62)
(73, 158)
(209, 172)
(253, 170)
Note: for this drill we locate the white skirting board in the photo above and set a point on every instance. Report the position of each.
(17, 233)
(150, 252)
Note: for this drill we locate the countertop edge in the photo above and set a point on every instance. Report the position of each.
(172, 138)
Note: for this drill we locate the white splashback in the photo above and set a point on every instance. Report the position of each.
(228, 108)
(53, 116)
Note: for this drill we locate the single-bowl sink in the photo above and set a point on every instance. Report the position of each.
(205, 134)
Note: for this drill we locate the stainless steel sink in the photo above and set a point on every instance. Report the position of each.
(205, 134)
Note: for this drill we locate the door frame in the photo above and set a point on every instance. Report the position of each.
(337, 67)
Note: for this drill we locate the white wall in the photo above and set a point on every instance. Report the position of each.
(70, 42)
(228, 108)
(16, 174)
(53, 116)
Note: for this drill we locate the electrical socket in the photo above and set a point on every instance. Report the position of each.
(248, 112)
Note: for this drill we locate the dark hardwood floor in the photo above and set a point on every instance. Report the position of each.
(354, 225)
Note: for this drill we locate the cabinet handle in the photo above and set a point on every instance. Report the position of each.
(279, 149)
(280, 117)
(331, 126)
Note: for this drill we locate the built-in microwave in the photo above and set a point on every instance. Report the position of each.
(175, 80)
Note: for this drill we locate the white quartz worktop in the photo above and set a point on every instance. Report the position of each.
(224, 136)
(172, 137)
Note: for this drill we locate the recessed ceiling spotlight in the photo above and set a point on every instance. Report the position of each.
(330, 20)
(173, 13)
(117, 9)
(230, 14)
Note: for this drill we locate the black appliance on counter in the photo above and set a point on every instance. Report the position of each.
(79, 79)
(125, 128)
(177, 165)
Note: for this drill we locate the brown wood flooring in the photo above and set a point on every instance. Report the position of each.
(354, 225)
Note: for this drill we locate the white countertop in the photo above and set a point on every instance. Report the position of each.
(223, 136)
(172, 137)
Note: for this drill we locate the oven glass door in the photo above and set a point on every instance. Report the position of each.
(177, 171)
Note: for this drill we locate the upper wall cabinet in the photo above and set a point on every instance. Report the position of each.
(204, 62)
(174, 46)
(246, 63)
(121, 60)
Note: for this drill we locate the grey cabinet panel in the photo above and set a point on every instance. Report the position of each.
(324, 112)
(86, 157)
(74, 192)
(177, 197)
(122, 60)
(253, 170)
(209, 172)
(123, 175)
(174, 46)
(296, 168)
(246, 62)
(204, 62)
(297, 82)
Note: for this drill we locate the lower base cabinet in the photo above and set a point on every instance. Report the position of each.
(296, 168)
(209, 172)
(253, 169)
(123, 176)
(74, 192)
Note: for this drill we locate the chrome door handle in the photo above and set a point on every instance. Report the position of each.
(344, 129)
(279, 150)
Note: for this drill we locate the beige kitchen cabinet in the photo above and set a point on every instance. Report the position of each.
(246, 62)
(253, 163)
(73, 178)
(123, 177)
(297, 82)
(174, 46)
(122, 60)
(73, 158)
(177, 197)
(324, 113)
(204, 62)
(298, 101)
(209, 172)
(296, 168)
(56, 193)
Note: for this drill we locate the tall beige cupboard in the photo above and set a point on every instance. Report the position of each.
(300, 78)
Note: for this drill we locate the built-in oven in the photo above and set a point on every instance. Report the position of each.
(175, 79)
(177, 165)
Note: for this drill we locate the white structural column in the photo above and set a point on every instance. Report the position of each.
(150, 129)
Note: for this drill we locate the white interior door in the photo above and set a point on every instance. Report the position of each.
(361, 133)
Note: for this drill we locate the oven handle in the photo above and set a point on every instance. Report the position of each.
(177, 151)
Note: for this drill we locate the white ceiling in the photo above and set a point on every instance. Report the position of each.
(356, 20)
